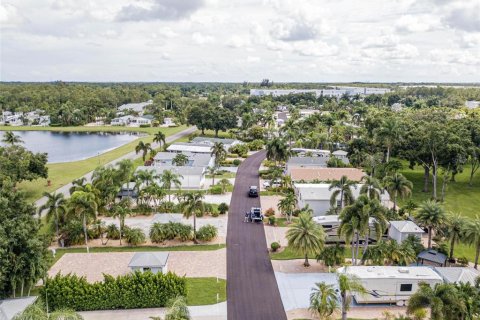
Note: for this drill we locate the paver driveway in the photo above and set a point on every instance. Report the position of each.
(252, 291)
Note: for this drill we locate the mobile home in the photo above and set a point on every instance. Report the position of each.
(390, 284)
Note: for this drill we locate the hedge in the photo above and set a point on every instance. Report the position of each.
(135, 290)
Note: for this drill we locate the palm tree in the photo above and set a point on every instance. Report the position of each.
(145, 177)
(83, 204)
(389, 133)
(224, 183)
(77, 184)
(472, 236)
(212, 171)
(306, 236)
(348, 284)
(287, 205)
(332, 255)
(371, 187)
(122, 210)
(193, 204)
(159, 138)
(431, 215)
(144, 148)
(454, 230)
(443, 301)
(277, 150)
(10, 138)
(55, 205)
(343, 188)
(180, 159)
(37, 311)
(168, 179)
(125, 171)
(177, 309)
(397, 185)
(323, 300)
(218, 152)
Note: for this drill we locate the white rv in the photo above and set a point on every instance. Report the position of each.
(390, 284)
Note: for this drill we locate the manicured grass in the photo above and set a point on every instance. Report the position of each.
(271, 193)
(61, 174)
(288, 254)
(281, 222)
(226, 175)
(460, 198)
(203, 291)
(200, 247)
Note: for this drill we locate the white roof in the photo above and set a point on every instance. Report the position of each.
(149, 259)
(189, 147)
(339, 153)
(194, 159)
(333, 219)
(458, 274)
(211, 141)
(9, 308)
(182, 170)
(138, 107)
(311, 150)
(406, 226)
(391, 272)
(319, 191)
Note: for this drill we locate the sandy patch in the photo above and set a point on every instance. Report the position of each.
(296, 266)
(270, 202)
(94, 265)
(276, 234)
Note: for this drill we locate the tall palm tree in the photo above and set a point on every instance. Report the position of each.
(454, 230)
(306, 236)
(472, 236)
(121, 210)
(10, 138)
(193, 204)
(288, 204)
(397, 185)
(212, 171)
(389, 133)
(125, 171)
(373, 209)
(177, 309)
(323, 300)
(168, 179)
(348, 284)
(159, 138)
(55, 206)
(83, 204)
(146, 177)
(144, 148)
(443, 301)
(371, 187)
(277, 150)
(431, 215)
(77, 184)
(180, 159)
(224, 183)
(342, 187)
(218, 152)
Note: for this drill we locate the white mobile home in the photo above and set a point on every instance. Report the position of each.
(190, 177)
(390, 284)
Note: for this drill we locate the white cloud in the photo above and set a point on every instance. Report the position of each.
(9, 15)
(201, 39)
(465, 17)
(159, 10)
(417, 23)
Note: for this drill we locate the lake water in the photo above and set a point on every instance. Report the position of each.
(73, 146)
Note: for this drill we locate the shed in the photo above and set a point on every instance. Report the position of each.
(400, 230)
(458, 274)
(127, 191)
(432, 257)
(149, 261)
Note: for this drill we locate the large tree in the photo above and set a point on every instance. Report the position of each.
(83, 206)
(432, 216)
(397, 185)
(18, 164)
(192, 206)
(218, 152)
(342, 192)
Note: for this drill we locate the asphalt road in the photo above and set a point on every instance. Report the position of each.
(252, 291)
(131, 155)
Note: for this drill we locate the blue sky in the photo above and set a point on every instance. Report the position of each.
(240, 40)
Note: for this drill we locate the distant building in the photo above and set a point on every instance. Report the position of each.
(150, 261)
(168, 122)
(400, 230)
(342, 155)
(335, 92)
(227, 143)
(135, 107)
(132, 121)
(325, 174)
(191, 177)
(306, 162)
(182, 147)
(472, 104)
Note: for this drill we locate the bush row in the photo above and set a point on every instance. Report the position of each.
(136, 290)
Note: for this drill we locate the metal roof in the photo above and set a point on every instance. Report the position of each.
(406, 226)
(458, 274)
(189, 147)
(389, 272)
(182, 170)
(9, 308)
(433, 256)
(149, 259)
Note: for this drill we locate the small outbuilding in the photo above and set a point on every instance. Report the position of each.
(400, 230)
(432, 257)
(149, 261)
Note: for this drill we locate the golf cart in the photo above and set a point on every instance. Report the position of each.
(255, 215)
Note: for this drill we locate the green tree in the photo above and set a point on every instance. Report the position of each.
(323, 300)
(371, 187)
(472, 236)
(159, 138)
(180, 159)
(287, 205)
(168, 179)
(218, 152)
(10, 138)
(143, 148)
(83, 205)
(55, 207)
(121, 210)
(454, 230)
(192, 206)
(389, 133)
(348, 284)
(306, 236)
(342, 187)
(397, 185)
(224, 183)
(277, 150)
(332, 255)
(432, 216)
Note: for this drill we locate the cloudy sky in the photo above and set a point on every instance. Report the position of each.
(240, 40)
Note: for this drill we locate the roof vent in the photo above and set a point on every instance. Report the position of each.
(403, 270)
(432, 252)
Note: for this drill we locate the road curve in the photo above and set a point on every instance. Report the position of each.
(252, 291)
(131, 155)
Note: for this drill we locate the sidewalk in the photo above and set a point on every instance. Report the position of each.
(209, 312)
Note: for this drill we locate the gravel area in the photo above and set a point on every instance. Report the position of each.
(270, 202)
(94, 265)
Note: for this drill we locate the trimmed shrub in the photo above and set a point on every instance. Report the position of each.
(463, 261)
(159, 232)
(215, 190)
(240, 149)
(255, 145)
(214, 214)
(272, 220)
(72, 233)
(134, 236)
(113, 233)
(269, 212)
(275, 246)
(223, 208)
(236, 162)
(207, 233)
(136, 290)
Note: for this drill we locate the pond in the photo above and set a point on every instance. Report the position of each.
(73, 146)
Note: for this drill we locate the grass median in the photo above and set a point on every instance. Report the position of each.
(203, 291)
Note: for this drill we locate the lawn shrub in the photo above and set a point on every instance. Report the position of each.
(207, 233)
(240, 149)
(136, 290)
(222, 208)
(269, 212)
(272, 220)
(160, 232)
(72, 233)
(237, 162)
(134, 236)
(256, 144)
(113, 232)
(216, 190)
(275, 246)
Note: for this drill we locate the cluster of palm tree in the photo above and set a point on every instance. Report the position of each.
(146, 147)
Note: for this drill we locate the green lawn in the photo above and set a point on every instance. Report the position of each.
(460, 197)
(202, 291)
(62, 173)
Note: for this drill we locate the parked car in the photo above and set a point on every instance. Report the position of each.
(253, 192)
(271, 184)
